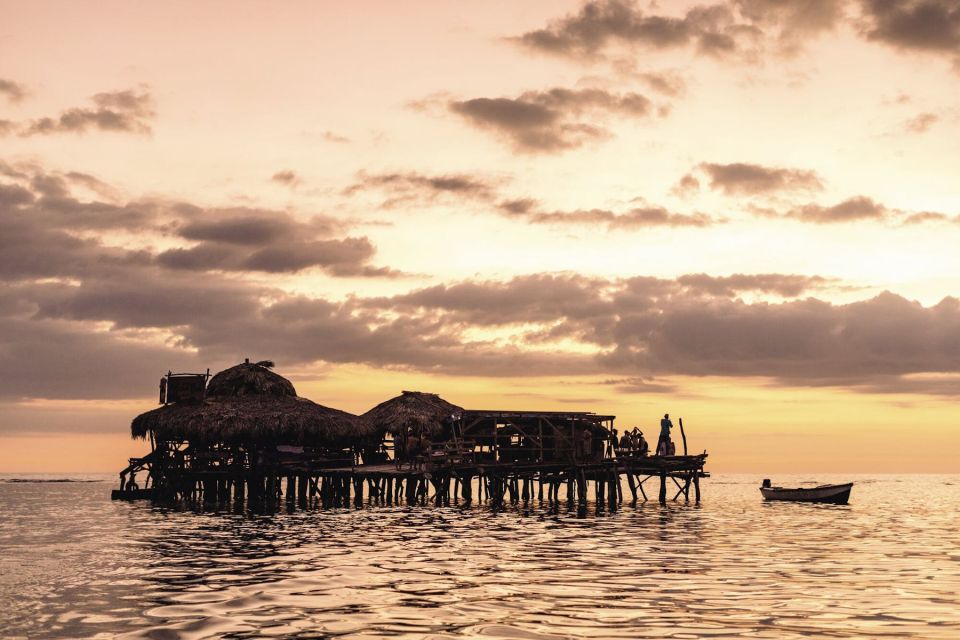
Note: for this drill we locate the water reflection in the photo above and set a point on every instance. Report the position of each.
(75, 565)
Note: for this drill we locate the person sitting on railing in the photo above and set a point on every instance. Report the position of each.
(640, 443)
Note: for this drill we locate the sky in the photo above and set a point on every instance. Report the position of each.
(744, 213)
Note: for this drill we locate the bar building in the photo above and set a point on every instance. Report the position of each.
(245, 436)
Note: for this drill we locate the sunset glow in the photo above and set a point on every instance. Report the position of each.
(746, 214)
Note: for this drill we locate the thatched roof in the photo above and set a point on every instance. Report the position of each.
(422, 412)
(250, 404)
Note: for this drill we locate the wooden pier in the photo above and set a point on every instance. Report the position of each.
(246, 437)
(674, 477)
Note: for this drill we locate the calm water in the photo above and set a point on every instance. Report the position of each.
(73, 564)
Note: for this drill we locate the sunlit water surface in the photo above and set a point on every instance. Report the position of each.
(73, 564)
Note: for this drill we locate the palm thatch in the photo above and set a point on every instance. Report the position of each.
(423, 412)
(249, 404)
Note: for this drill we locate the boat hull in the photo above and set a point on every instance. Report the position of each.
(830, 494)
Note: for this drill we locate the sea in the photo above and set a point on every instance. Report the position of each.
(74, 564)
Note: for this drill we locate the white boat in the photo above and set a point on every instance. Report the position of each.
(829, 493)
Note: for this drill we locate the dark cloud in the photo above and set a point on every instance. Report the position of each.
(12, 91)
(49, 232)
(552, 120)
(850, 210)
(669, 84)
(921, 123)
(855, 209)
(741, 27)
(82, 318)
(639, 384)
(686, 186)
(741, 178)
(286, 177)
(416, 188)
(635, 218)
(785, 285)
(931, 26)
(127, 111)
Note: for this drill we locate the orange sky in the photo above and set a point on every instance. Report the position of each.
(745, 215)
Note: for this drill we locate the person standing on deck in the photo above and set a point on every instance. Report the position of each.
(399, 444)
(663, 445)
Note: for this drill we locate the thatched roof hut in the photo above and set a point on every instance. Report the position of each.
(423, 412)
(249, 404)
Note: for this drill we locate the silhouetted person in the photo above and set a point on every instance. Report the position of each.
(643, 449)
(663, 444)
(413, 447)
(398, 448)
(626, 442)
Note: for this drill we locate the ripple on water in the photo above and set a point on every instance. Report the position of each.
(74, 565)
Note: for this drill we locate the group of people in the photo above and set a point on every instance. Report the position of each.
(633, 442)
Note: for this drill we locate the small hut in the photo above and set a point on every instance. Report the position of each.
(423, 413)
(248, 418)
(250, 405)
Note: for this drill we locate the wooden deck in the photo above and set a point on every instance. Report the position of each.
(443, 481)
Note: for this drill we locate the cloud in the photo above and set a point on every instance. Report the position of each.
(411, 187)
(635, 218)
(50, 232)
(82, 318)
(686, 186)
(921, 123)
(286, 177)
(854, 209)
(741, 28)
(13, 91)
(741, 178)
(336, 138)
(850, 210)
(553, 120)
(785, 285)
(129, 111)
(929, 26)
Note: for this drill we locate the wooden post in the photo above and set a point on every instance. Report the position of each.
(289, 493)
(302, 488)
(613, 496)
(358, 490)
(684, 436)
(581, 488)
(632, 484)
(467, 488)
(663, 487)
(696, 485)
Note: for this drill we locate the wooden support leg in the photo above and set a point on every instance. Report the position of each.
(696, 485)
(613, 495)
(633, 485)
(289, 493)
(581, 489)
(663, 487)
